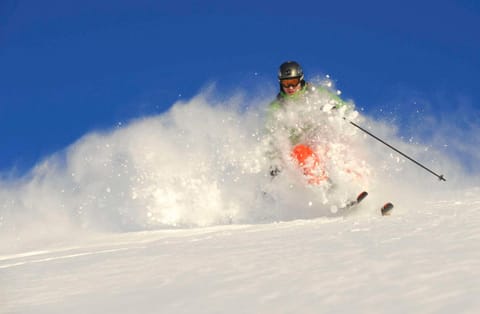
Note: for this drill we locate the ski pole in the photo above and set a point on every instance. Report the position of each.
(440, 177)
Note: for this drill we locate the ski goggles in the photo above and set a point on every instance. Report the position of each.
(293, 82)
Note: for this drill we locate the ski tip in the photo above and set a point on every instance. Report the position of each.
(387, 209)
(361, 196)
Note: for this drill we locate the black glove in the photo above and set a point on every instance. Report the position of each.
(274, 171)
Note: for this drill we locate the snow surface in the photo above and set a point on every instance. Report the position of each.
(146, 219)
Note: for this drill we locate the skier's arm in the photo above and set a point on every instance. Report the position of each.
(272, 153)
(335, 103)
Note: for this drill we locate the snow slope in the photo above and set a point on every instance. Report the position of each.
(174, 214)
(423, 261)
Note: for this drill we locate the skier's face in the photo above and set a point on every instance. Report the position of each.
(291, 86)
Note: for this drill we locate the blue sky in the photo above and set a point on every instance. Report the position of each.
(71, 67)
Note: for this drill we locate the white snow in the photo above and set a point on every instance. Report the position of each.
(145, 219)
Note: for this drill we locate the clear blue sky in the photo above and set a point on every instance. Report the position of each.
(70, 67)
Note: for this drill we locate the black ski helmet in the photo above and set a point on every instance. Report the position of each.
(290, 69)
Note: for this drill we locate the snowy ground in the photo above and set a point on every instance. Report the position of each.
(421, 260)
(175, 214)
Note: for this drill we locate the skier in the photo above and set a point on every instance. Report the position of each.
(292, 114)
(305, 121)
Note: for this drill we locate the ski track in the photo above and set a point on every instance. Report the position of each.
(419, 260)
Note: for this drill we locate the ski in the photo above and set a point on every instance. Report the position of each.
(356, 201)
(386, 209)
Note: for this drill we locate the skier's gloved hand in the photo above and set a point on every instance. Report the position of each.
(274, 171)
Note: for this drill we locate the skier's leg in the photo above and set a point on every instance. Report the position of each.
(311, 164)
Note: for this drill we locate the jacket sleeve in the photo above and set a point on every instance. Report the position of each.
(272, 153)
(334, 101)
(335, 104)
